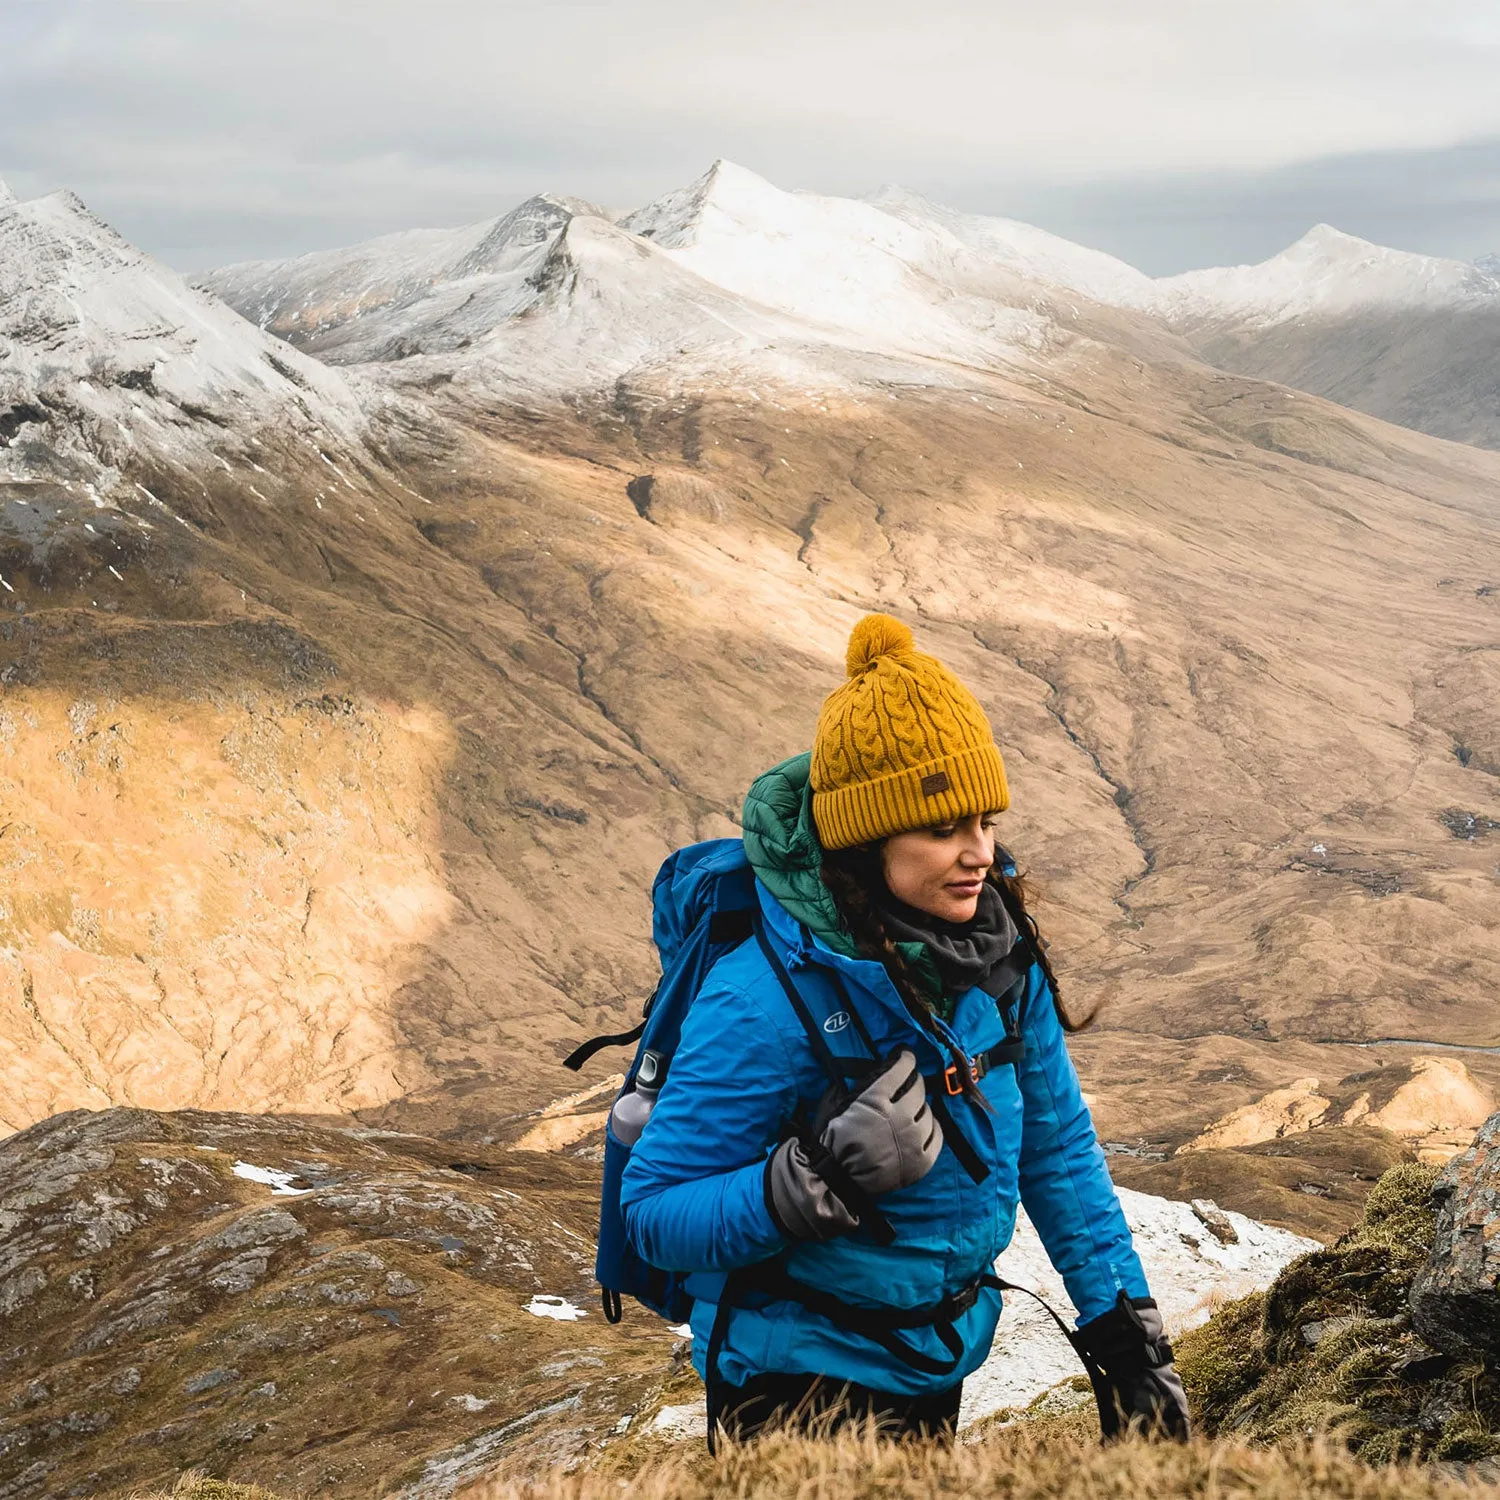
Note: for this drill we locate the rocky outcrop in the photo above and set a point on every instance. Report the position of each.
(1436, 1110)
(1455, 1300)
(319, 1311)
(1289, 1111)
(1433, 1104)
(1332, 1347)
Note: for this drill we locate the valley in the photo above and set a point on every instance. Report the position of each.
(362, 657)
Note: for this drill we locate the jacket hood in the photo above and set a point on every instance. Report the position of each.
(781, 843)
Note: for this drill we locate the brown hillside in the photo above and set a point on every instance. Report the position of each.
(355, 808)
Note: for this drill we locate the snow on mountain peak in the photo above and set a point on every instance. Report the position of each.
(141, 362)
(843, 267)
(749, 263)
(726, 193)
(6, 196)
(1023, 249)
(412, 292)
(1324, 273)
(537, 221)
(1324, 239)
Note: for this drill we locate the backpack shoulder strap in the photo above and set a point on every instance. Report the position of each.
(821, 1050)
(581, 1054)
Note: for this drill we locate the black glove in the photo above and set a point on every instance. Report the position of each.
(875, 1140)
(1130, 1367)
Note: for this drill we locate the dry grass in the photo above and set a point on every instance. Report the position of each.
(1030, 1461)
(198, 1486)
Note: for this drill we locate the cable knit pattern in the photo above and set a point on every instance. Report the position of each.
(902, 744)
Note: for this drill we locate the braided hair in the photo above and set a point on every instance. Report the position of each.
(855, 878)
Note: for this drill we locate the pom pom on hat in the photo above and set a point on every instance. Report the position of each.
(900, 744)
(873, 637)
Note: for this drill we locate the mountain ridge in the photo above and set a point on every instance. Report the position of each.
(1403, 336)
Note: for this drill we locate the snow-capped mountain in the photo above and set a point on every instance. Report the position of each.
(441, 286)
(727, 269)
(1324, 274)
(1024, 249)
(840, 264)
(731, 273)
(107, 355)
(1414, 339)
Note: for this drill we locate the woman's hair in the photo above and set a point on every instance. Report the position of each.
(855, 879)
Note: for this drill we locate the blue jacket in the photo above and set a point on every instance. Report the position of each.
(693, 1194)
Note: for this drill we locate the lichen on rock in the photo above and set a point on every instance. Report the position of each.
(1456, 1298)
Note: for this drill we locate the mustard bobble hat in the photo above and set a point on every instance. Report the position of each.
(902, 744)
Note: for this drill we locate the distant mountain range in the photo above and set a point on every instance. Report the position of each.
(731, 265)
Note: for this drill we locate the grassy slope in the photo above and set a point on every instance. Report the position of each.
(1030, 1462)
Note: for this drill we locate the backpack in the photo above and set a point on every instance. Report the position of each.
(703, 906)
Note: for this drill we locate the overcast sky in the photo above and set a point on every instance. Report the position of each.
(1175, 133)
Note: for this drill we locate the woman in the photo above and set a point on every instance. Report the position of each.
(864, 1092)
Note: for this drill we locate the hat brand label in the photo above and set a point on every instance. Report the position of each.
(937, 782)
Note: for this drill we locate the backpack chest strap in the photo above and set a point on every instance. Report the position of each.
(1009, 1052)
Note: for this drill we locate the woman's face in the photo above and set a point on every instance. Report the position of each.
(940, 870)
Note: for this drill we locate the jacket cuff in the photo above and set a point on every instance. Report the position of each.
(769, 1198)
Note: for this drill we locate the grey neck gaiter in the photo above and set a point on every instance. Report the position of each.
(984, 951)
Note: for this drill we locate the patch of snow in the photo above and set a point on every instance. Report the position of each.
(279, 1182)
(468, 1402)
(681, 1424)
(554, 1307)
(1189, 1270)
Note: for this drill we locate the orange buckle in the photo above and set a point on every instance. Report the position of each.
(952, 1082)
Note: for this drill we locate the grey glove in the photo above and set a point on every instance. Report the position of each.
(885, 1137)
(801, 1202)
(1130, 1367)
(882, 1138)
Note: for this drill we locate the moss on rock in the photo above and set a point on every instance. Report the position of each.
(1329, 1347)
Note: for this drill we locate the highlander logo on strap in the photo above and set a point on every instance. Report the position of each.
(837, 1021)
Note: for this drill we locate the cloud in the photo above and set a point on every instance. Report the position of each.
(229, 128)
(1438, 202)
